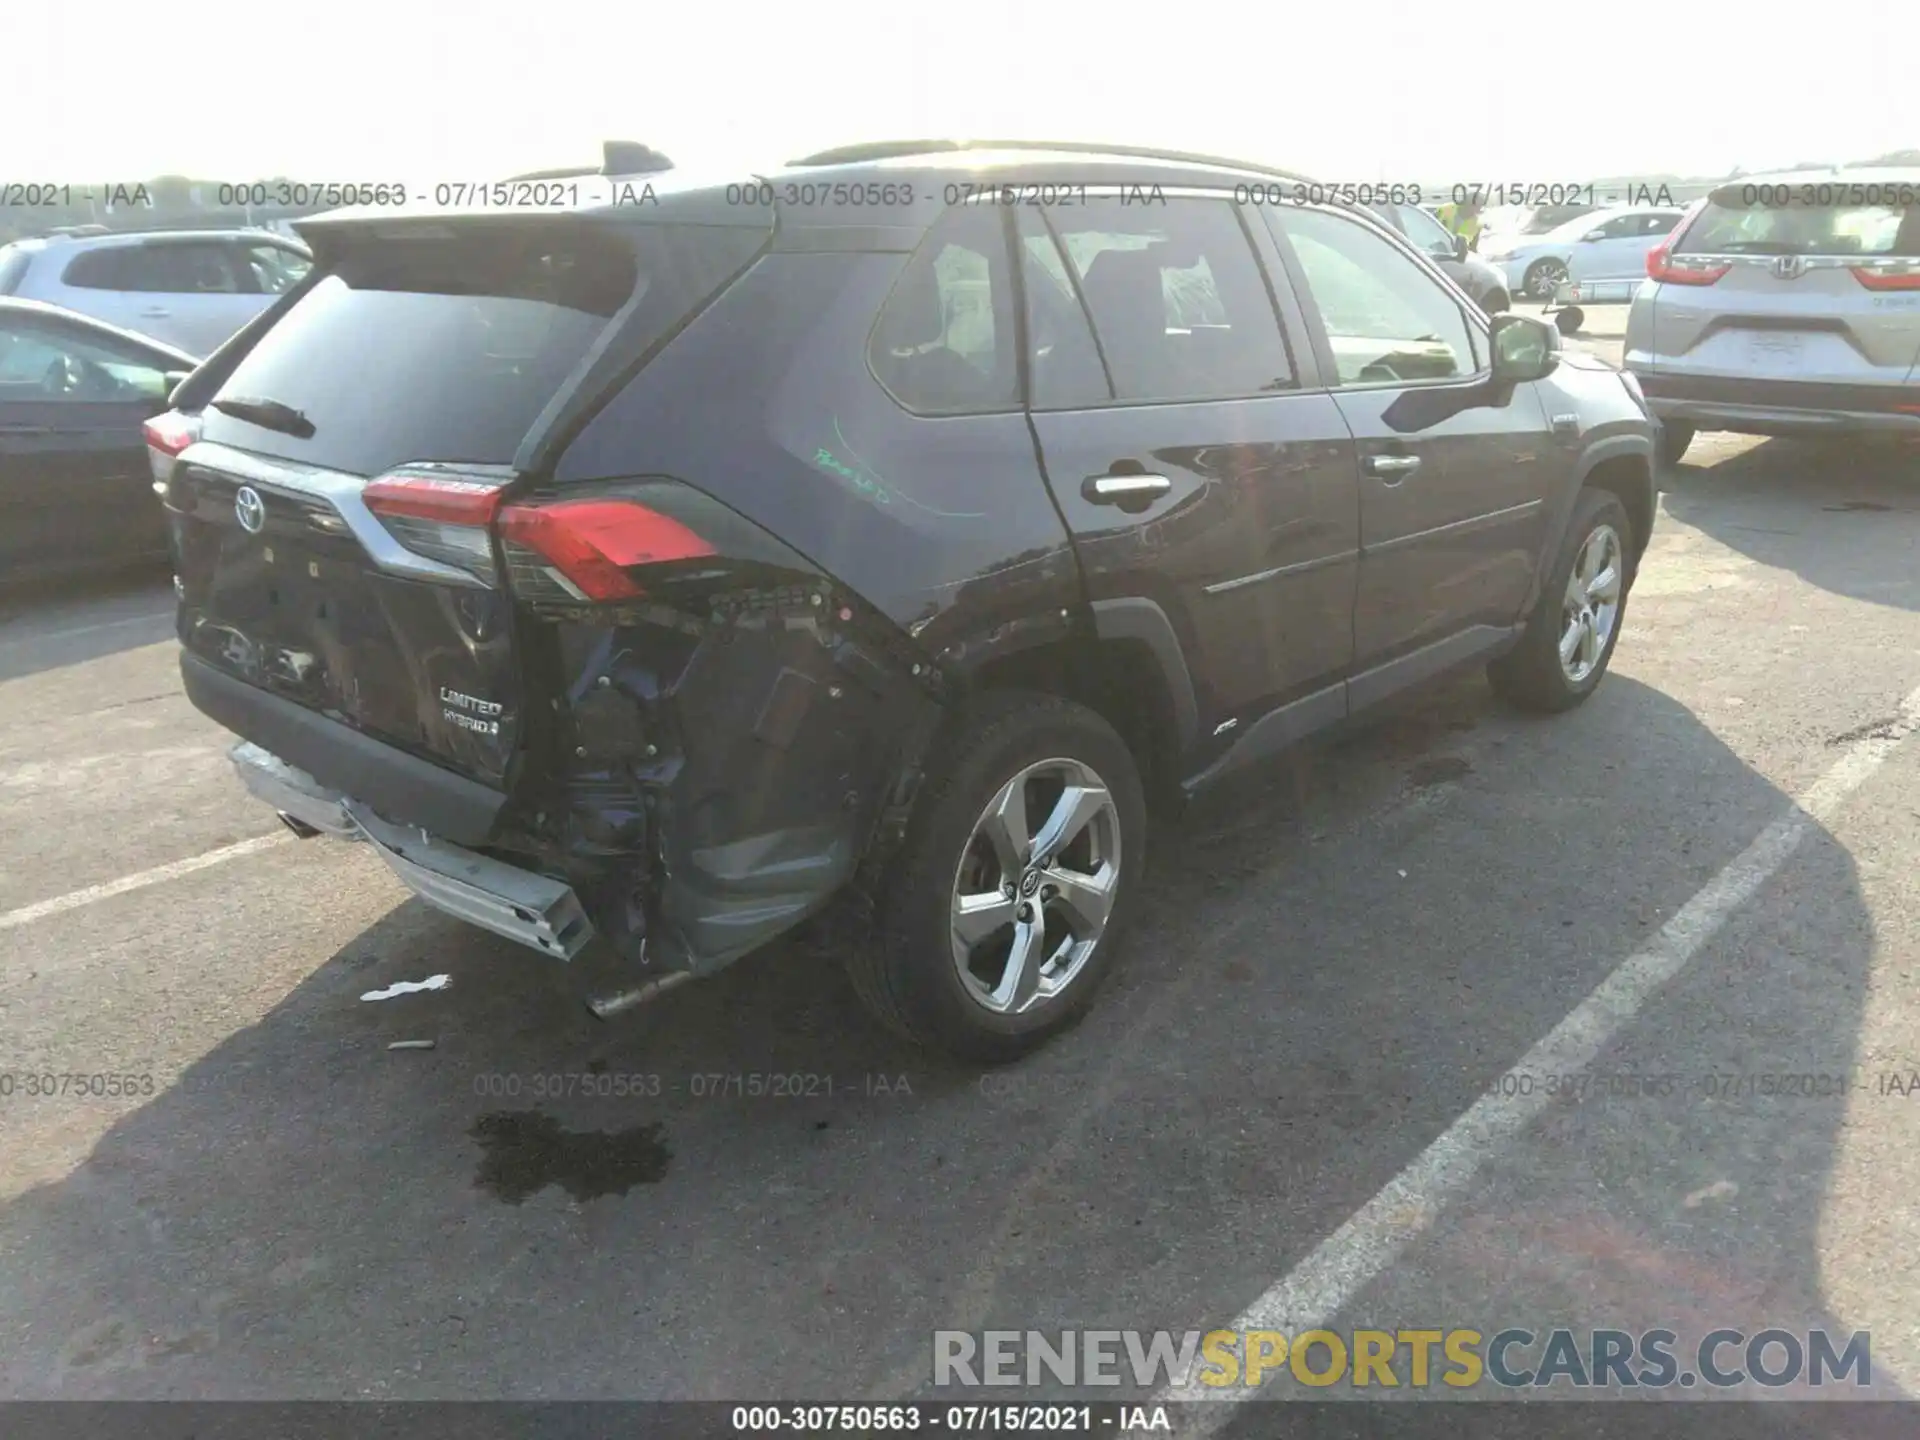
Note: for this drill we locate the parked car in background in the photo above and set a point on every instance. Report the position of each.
(76, 488)
(1543, 219)
(1485, 285)
(1608, 245)
(1786, 304)
(186, 288)
(668, 573)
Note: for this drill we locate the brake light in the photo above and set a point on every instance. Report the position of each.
(1665, 267)
(587, 547)
(443, 517)
(166, 436)
(1900, 275)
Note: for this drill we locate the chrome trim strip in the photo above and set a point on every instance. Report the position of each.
(1299, 567)
(1471, 522)
(340, 491)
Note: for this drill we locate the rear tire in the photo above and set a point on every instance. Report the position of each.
(917, 973)
(1674, 440)
(1538, 674)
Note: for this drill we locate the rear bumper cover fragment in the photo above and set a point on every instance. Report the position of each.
(537, 911)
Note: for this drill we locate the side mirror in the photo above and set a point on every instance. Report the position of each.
(1460, 247)
(1524, 348)
(1593, 235)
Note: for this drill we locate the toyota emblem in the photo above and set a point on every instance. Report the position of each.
(249, 509)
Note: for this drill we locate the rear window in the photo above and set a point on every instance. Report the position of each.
(1728, 225)
(447, 344)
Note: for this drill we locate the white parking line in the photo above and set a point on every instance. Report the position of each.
(7, 642)
(75, 899)
(1328, 1280)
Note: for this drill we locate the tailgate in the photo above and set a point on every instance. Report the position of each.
(290, 584)
(1821, 293)
(422, 348)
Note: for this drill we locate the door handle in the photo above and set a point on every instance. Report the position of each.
(1124, 489)
(25, 430)
(154, 312)
(1392, 468)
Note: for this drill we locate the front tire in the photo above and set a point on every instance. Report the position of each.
(1543, 277)
(1570, 636)
(1014, 885)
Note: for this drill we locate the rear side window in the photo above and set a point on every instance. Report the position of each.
(95, 269)
(202, 267)
(1063, 362)
(1177, 298)
(943, 343)
(1725, 226)
(447, 343)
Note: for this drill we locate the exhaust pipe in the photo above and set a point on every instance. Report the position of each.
(610, 1003)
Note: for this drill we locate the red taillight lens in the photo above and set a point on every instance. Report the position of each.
(1904, 275)
(166, 436)
(443, 517)
(589, 545)
(1662, 265)
(171, 433)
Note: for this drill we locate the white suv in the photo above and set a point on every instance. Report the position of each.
(189, 288)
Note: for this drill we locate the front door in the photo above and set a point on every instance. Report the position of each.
(1454, 478)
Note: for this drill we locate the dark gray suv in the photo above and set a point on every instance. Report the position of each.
(885, 533)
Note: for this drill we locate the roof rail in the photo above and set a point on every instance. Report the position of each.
(900, 149)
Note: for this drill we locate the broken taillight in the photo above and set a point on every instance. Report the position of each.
(588, 549)
(583, 549)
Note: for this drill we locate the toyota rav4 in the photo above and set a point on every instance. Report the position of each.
(886, 533)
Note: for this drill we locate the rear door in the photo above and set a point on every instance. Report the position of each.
(1244, 523)
(1773, 286)
(1454, 477)
(75, 487)
(189, 293)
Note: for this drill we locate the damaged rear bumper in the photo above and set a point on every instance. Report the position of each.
(539, 912)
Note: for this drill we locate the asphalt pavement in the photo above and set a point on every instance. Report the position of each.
(1334, 966)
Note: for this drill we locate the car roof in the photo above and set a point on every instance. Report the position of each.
(74, 320)
(926, 167)
(1849, 174)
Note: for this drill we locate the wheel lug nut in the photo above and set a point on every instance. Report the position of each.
(1025, 913)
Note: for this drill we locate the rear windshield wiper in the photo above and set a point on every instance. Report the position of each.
(270, 414)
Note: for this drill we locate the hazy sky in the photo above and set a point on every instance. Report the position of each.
(351, 90)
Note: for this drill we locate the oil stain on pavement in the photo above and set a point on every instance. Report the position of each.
(524, 1152)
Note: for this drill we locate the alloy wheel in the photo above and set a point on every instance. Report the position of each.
(1544, 278)
(1591, 607)
(1035, 886)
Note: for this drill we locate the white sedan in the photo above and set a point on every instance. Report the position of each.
(1606, 246)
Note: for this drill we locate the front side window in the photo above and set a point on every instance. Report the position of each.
(41, 365)
(944, 341)
(1387, 321)
(1177, 298)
